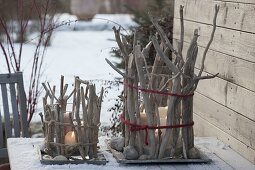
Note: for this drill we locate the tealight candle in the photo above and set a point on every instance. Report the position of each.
(70, 138)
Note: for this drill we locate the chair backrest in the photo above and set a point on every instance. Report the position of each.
(13, 111)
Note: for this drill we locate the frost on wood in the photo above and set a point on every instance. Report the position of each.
(68, 132)
(169, 136)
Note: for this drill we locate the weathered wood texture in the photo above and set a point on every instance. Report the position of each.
(224, 106)
(239, 16)
(13, 114)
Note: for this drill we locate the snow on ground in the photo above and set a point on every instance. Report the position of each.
(24, 154)
(99, 22)
(78, 53)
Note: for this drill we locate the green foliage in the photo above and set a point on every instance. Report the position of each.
(117, 110)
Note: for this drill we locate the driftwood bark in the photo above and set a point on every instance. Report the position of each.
(148, 109)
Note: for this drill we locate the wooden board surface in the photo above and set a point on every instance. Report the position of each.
(205, 128)
(225, 119)
(230, 95)
(232, 69)
(231, 42)
(239, 1)
(231, 15)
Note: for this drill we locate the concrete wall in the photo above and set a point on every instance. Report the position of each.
(224, 107)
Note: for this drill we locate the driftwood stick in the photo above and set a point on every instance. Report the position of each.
(70, 95)
(100, 99)
(53, 94)
(130, 100)
(78, 120)
(205, 77)
(56, 118)
(171, 66)
(85, 120)
(216, 8)
(180, 61)
(147, 103)
(187, 115)
(90, 117)
(81, 81)
(119, 42)
(117, 70)
(182, 32)
(95, 122)
(146, 49)
(172, 104)
(61, 112)
(65, 89)
(139, 140)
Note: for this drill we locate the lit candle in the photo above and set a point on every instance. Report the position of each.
(162, 116)
(67, 120)
(70, 138)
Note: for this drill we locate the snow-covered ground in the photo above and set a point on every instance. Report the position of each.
(79, 49)
(24, 154)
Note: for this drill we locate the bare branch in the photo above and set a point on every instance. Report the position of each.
(182, 31)
(70, 95)
(180, 61)
(52, 93)
(119, 42)
(205, 77)
(146, 49)
(117, 70)
(165, 85)
(210, 41)
(171, 66)
(81, 81)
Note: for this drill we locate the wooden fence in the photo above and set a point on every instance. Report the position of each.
(225, 106)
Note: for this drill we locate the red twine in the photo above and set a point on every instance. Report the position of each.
(135, 127)
(157, 92)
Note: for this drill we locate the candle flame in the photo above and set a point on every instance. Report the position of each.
(72, 135)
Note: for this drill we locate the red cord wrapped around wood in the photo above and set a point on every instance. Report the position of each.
(135, 127)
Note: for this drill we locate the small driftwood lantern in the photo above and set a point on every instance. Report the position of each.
(71, 132)
(157, 131)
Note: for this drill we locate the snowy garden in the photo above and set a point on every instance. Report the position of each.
(91, 114)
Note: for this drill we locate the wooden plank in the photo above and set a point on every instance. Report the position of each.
(1, 132)
(230, 95)
(9, 78)
(7, 123)
(225, 119)
(15, 112)
(3, 153)
(238, 44)
(235, 70)
(205, 128)
(231, 15)
(239, 1)
(22, 106)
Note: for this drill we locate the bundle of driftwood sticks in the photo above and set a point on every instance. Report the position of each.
(68, 132)
(176, 137)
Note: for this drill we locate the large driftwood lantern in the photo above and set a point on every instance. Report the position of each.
(168, 130)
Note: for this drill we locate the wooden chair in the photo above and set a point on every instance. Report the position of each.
(13, 113)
